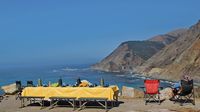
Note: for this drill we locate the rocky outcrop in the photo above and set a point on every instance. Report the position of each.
(197, 91)
(180, 57)
(166, 94)
(134, 53)
(129, 92)
(9, 89)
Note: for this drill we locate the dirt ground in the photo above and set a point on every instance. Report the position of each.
(125, 105)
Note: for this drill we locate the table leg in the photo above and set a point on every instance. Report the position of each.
(22, 102)
(73, 104)
(106, 105)
(80, 105)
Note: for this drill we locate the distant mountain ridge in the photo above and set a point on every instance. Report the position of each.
(169, 37)
(130, 54)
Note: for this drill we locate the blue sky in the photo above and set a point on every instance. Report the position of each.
(48, 32)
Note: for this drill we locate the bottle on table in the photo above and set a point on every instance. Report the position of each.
(39, 82)
(49, 84)
(102, 82)
(60, 82)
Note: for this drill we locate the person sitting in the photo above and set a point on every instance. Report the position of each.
(85, 83)
(177, 86)
(78, 82)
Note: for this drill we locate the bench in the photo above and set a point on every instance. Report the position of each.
(54, 101)
(39, 99)
(85, 100)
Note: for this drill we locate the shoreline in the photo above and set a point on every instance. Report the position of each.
(141, 75)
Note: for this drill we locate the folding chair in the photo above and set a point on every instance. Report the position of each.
(1, 97)
(30, 84)
(186, 93)
(151, 91)
(2, 94)
(19, 89)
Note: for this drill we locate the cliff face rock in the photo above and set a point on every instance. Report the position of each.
(128, 55)
(182, 56)
(134, 53)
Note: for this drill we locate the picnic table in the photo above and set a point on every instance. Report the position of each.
(78, 93)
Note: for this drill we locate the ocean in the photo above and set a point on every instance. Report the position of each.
(69, 75)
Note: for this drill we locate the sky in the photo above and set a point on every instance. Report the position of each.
(51, 32)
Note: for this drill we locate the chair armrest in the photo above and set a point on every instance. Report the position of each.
(143, 88)
(1, 97)
(160, 88)
(169, 86)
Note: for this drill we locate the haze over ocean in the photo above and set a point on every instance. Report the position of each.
(39, 39)
(40, 33)
(69, 75)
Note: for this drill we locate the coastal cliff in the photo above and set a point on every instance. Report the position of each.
(128, 55)
(131, 54)
(165, 56)
(182, 56)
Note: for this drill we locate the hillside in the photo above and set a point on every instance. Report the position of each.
(130, 54)
(169, 37)
(180, 57)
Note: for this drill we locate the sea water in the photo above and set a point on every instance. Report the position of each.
(69, 75)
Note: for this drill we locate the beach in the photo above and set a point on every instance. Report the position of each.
(9, 104)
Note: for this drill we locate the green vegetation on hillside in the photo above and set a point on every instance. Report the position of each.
(144, 49)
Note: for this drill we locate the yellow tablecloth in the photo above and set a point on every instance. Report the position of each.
(92, 92)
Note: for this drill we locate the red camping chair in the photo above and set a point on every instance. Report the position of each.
(151, 91)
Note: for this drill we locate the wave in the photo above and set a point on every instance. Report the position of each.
(138, 76)
(165, 81)
(55, 71)
(142, 77)
(121, 75)
(133, 76)
(68, 69)
(132, 81)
